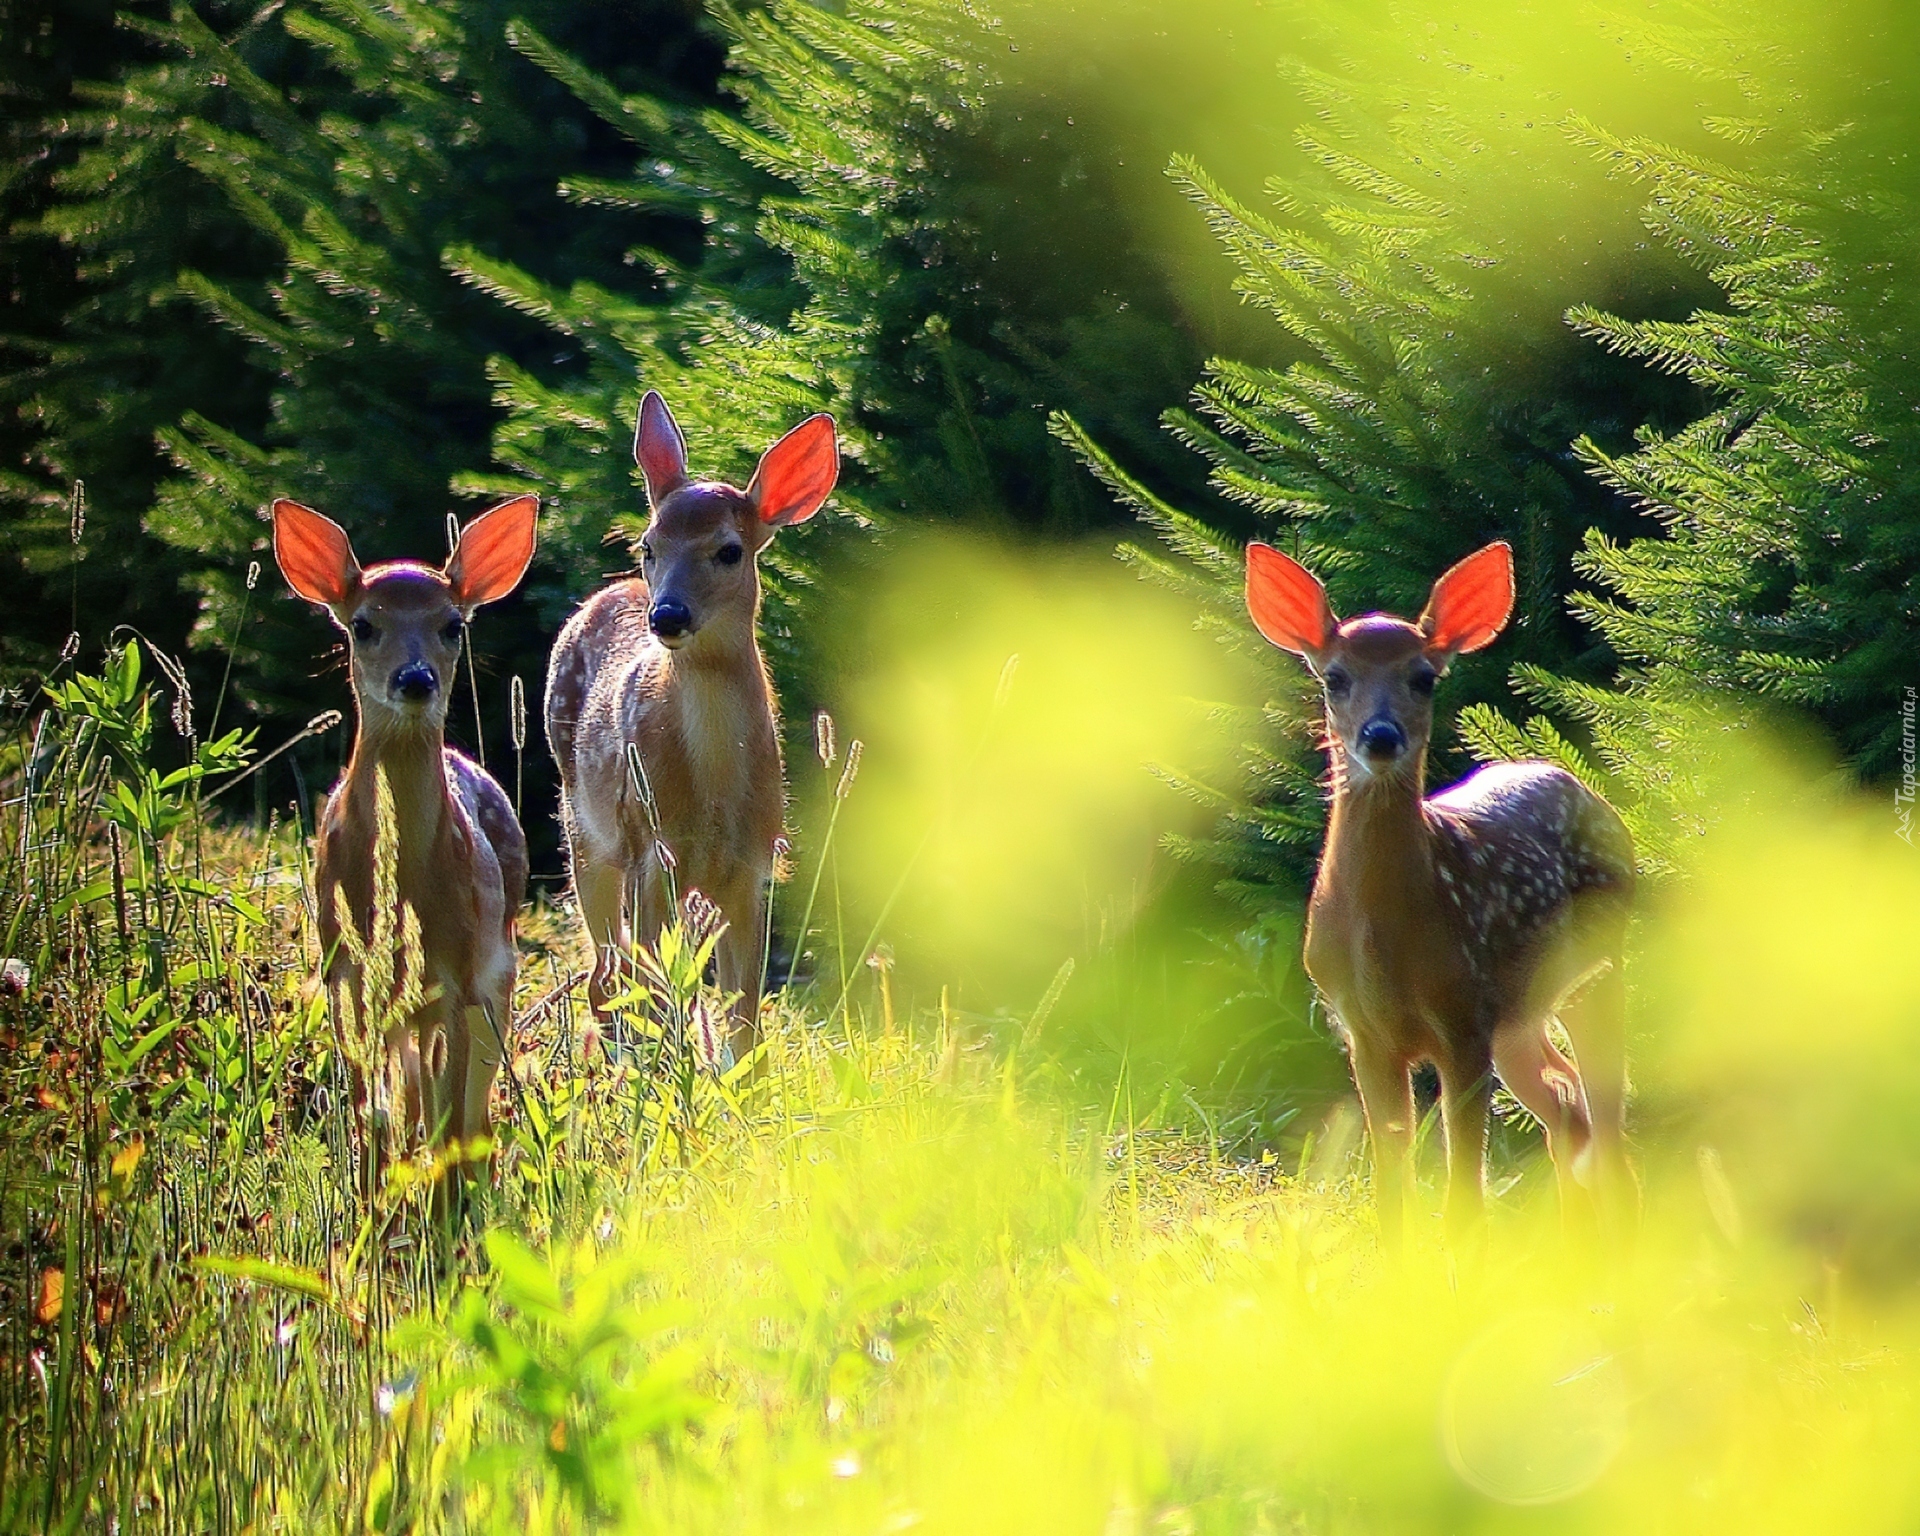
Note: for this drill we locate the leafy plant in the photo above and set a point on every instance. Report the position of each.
(586, 1378)
(144, 801)
(845, 1314)
(672, 1028)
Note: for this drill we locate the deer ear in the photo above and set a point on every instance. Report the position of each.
(493, 552)
(1470, 604)
(796, 474)
(314, 554)
(658, 448)
(1288, 604)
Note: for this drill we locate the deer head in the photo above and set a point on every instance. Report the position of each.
(701, 548)
(1378, 671)
(404, 621)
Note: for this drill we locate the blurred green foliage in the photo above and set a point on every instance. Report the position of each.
(1455, 236)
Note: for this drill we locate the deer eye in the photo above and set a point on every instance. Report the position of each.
(456, 627)
(728, 554)
(646, 552)
(1338, 684)
(1422, 683)
(364, 633)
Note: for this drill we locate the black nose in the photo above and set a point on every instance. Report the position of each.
(416, 682)
(670, 617)
(1382, 738)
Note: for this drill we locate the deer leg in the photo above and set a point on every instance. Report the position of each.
(406, 1059)
(440, 1040)
(1549, 1086)
(597, 886)
(649, 897)
(1596, 1023)
(1386, 1095)
(740, 964)
(457, 1031)
(1466, 1094)
(492, 1027)
(486, 1025)
(369, 1086)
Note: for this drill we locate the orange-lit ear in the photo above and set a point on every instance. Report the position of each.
(658, 448)
(314, 554)
(493, 552)
(796, 474)
(1288, 604)
(1470, 604)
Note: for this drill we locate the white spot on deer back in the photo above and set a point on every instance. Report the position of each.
(1512, 849)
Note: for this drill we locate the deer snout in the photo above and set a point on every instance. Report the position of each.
(670, 619)
(1382, 738)
(416, 682)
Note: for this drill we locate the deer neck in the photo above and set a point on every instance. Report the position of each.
(1378, 843)
(725, 702)
(414, 762)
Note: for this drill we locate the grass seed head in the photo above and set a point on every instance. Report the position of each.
(848, 774)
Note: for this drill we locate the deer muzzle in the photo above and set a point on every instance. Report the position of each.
(672, 621)
(415, 683)
(1381, 739)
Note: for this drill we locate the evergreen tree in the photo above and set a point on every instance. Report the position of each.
(1787, 567)
(862, 257)
(1432, 415)
(260, 205)
(96, 353)
(841, 237)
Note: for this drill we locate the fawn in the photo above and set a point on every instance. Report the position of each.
(1453, 929)
(460, 854)
(661, 714)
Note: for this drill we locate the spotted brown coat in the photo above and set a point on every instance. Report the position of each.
(1455, 929)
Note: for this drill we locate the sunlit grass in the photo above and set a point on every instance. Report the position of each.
(919, 1275)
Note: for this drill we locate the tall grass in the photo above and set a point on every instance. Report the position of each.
(906, 1278)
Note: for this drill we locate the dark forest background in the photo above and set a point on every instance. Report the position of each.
(1380, 280)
